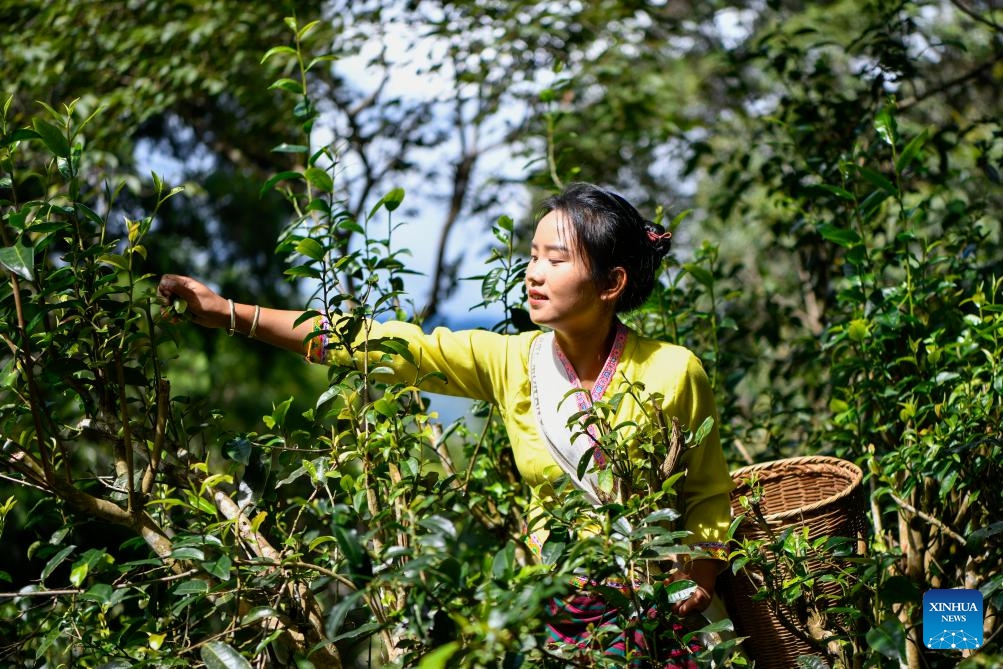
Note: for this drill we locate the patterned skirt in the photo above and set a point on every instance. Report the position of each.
(588, 630)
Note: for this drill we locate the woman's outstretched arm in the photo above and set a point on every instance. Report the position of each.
(274, 326)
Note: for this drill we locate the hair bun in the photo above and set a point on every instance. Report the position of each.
(659, 237)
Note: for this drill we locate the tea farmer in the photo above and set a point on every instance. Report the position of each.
(592, 257)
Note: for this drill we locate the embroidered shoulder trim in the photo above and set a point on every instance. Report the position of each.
(316, 347)
(603, 381)
(605, 377)
(714, 549)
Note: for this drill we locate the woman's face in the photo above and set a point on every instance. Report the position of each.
(562, 295)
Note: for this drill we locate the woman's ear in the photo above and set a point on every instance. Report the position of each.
(615, 286)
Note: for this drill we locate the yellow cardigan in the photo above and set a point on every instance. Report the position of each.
(493, 367)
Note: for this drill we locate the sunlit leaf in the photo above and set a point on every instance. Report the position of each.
(277, 50)
(219, 655)
(877, 179)
(306, 30)
(841, 193)
(702, 276)
(280, 410)
(390, 201)
(811, 662)
(840, 236)
(439, 658)
(53, 137)
(258, 613)
(886, 127)
(910, 151)
(888, 639)
(288, 85)
(55, 561)
(319, 179)
(19, 259)
(79, 574)
(272, 181)
(19, 135)
(310, 248)
(191, 587)
(187, 553)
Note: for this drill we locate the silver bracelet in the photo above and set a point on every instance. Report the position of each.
(233, 319)
(254, 322)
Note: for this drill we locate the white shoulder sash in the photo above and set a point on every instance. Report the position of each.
(554, 407)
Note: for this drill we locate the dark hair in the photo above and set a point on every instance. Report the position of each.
(609, 233)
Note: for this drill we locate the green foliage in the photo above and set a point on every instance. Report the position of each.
(848, 304)
(916, 385)
(360, 524)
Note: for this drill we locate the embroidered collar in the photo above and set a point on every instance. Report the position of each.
(584, 399)
(605, 375)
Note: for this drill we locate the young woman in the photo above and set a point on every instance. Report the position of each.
(592, 256)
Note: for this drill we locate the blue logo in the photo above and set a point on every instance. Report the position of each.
(952, 619)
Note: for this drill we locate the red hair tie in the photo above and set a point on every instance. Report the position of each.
(656, 237)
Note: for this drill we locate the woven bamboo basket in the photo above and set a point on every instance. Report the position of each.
(819, 492)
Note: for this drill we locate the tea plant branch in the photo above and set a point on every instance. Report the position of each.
(26, 463)
(300, 596)
(743, 451)
(25, 362)
(477, 448)
(64, 592)
(877, 522)
(176, 576)
(964, 506)
(22, 354)
(813, 310)
(340, 578)
(125, 460)
(773, 581)
(674, 442)
(816, 628)
(142, 523)
(22, 482)
(936, 522)
(42, 593)
(438, 441)
(159, 435)
(374, 604)
(781, 612)
(10, 343)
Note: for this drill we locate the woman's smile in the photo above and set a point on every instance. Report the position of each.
(536, 296)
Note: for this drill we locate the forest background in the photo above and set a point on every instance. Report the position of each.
(831, 173)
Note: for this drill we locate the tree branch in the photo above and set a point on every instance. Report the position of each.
(324, 654)
(159, 436)
(968, 11)
(928, 518)
(949, 84)
(125, 461)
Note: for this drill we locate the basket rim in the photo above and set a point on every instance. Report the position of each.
(854, 480)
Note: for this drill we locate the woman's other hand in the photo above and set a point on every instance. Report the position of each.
(202, 303)
(704, 574)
